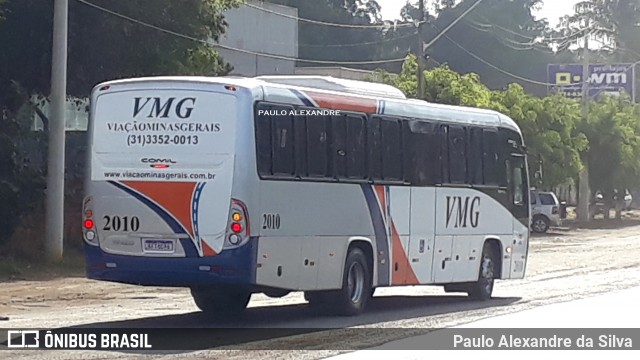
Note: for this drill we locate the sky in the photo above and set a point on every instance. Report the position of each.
(552, 9)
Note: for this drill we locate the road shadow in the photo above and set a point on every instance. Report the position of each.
(276, 322)
(552, 233)
(605, 224)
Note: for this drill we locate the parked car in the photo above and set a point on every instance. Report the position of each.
(545, 211)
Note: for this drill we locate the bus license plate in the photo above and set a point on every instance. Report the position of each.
(158, 246)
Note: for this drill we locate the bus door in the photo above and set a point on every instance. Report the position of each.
(422, 242)
(518, 187)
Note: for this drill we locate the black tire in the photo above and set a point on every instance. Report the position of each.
(356, 291)
(483, 288)
(540, 224)
(221, 302)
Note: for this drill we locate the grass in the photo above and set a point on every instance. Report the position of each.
(14, 269)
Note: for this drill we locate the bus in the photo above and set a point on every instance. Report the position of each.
(233, 186)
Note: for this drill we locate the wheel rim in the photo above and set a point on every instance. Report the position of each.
(487, 273)
(355, 281)
(539, 225)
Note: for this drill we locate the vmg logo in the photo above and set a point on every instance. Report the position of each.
(156, 107)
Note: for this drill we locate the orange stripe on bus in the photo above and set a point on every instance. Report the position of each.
(405, 274)
(380, 191)
(207, 250)
(175, 197)
(335, 102)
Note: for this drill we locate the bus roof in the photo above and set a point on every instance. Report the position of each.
(340, 91)
(337, 84)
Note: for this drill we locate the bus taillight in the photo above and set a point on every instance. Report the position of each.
(88, 224)
(238, 224)
(236, 228)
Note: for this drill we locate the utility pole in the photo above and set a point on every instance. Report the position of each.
(584, 191)
(56, 163)
(422, 48)
(420, 51)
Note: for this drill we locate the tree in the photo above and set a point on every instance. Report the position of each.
(103, 46)
(613, 155)
(615, 22)
(503, 33)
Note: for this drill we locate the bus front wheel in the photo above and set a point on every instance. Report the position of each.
(221, 302)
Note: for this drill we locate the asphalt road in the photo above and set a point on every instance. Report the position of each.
(563, 266)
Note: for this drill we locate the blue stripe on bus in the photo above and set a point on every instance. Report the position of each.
(189, 246)
(303, 98)
(382, 241)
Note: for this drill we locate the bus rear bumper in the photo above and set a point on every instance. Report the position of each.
(231, 267)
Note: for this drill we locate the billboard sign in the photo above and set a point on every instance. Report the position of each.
(603, 79)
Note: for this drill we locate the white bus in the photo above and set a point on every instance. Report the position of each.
(233, 186)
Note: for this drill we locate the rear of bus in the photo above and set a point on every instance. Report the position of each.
(158, 208)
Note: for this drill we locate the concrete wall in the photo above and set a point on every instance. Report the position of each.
(338, 72)
(262, 32)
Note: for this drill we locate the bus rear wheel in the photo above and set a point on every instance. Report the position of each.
(483, 288)
(221, 302)
(356, 289)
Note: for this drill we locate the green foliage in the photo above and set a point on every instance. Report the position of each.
(21, 184)
(613, 130)
(557, 137)
(102, 46)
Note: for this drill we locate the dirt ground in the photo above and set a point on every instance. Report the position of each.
(564, 264)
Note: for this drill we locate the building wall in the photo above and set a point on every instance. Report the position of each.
(338, 72)
(262, 32)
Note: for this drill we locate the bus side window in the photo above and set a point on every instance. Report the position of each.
(347, 146)
(374, 149)
(443, 135)
(263, 140)
(355, 147)
(338, 146)
(392, 150)
(317, 146)
(517, 180)
(457, 155)
(475, 156)
(282, 142)
(421, 146)
(518, 186)
(300, 149)
(490, 157)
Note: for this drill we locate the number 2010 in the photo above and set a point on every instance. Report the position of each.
(125, 223)
(271, 221)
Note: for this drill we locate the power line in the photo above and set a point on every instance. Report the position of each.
(515, 45)
(317, 22)
(359, 44)
(514, 75)
(273, 56)
(528, 37)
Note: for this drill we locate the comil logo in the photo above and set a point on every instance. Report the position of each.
(23, 338)
(158, 163)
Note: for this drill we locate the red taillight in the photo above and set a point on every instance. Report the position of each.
(236, 228)
(88, 224)
(555, 210)
(159, 166)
